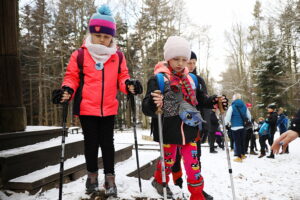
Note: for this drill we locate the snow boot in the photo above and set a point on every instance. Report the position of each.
(261, 155)
(207, 196)
(110, 185)
(238, 159)
(271, 155)
(177, 178)
(91, 183)
(253, 153)
(159, 188)
(196, 190)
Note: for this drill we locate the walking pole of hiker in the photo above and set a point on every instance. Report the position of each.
(62, 157)
(161, 146)
(222, 113)
(132, 103)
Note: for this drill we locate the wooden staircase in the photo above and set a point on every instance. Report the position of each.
(35, 165)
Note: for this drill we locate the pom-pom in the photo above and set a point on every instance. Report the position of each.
(104, 10)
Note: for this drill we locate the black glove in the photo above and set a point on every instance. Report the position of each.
(138, 88)
(228, 127)
(58, 93)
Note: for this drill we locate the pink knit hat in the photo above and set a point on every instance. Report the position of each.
(176, 46)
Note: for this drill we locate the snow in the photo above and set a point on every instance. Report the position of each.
(254, 179)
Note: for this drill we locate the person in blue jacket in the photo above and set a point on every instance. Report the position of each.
(282, 124)
(288, 136)
(234, 118)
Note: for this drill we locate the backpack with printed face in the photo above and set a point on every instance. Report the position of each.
(188, 113)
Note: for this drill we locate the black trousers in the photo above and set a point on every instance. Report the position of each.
(211, 140)
(262, 142)
(250, 137)
(98, 131)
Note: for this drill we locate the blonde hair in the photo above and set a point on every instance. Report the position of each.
(236, 96)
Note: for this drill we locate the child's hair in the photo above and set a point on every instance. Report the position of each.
(261, 119)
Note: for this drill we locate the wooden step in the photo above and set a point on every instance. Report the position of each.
(49, 177)
(35, 133)
(23, 160)
(147, 159)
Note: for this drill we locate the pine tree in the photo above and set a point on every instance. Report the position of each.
(271, 72)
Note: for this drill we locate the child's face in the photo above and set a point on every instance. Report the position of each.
(178, 63)
(191, 65)
(101, 38)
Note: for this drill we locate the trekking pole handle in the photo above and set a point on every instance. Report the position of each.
(159, 110)
(220, 104)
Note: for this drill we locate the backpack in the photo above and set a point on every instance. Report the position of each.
(285, 122)
(78, 94)
(264, 129)
(161, 81)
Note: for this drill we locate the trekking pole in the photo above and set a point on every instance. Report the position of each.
(132, 102)
(222, 112)
(161, 146)
(62, 157)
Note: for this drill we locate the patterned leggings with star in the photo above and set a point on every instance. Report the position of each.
(189, 155)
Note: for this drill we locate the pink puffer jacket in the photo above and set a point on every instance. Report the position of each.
(100, 86)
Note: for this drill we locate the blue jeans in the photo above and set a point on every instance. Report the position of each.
(239, 141)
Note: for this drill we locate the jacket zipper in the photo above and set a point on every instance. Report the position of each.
(102, 92)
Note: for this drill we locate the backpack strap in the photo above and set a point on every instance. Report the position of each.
(194, 77)
(160, 81)
(78, 94)
(120, 55)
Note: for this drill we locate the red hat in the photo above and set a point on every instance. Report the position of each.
(248, 105)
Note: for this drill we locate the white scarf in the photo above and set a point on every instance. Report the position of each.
(99, 52)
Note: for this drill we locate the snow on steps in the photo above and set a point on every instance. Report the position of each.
(74, 168)
(23, 160)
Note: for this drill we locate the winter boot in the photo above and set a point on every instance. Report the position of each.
(110, 185)
(238, 159)
(207, 196)
(177, 178)
(271, 155)
(91, 183)
(253, 152)
(196, 190)
(159, 189)
(212, 150)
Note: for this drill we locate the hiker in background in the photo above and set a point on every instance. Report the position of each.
(288, 136)
(235, 117)
(250, 137)
(282, 124)
(272, 121)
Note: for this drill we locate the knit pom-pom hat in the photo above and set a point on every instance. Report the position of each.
(176, 46)
(102, 21)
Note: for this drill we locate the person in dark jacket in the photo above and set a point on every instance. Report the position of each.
(176, 133)
(282, 124)
(288, 136)
(214, 127)
(250, 137)
(272, 121)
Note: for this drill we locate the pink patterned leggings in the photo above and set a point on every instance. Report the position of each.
(191, 164)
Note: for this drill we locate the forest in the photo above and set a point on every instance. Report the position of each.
(262, 59)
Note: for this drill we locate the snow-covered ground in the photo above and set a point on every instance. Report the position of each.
(254, 179)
